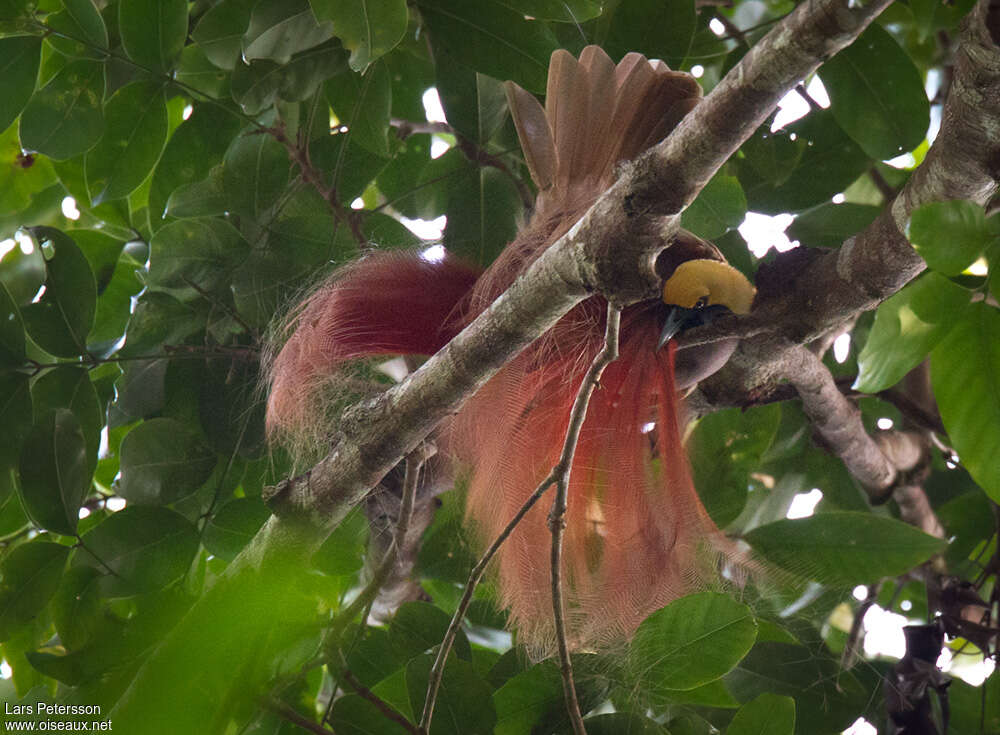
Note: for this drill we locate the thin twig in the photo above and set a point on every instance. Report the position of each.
(854, 638)
(804, 94)
(380, 704)
(283, 710)
(557, 517)
(887, 190)
(575, 421)
(414, 461)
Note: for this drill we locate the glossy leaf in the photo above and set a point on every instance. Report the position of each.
(65, 117)
(255, 174)
(19, 59)
(907, 327)
(162, 461)
(965, 372)
(70, 387)
(279, 29)
(61, 319)
(691, 641)
(368, 30)
(463, 703)
(197, 145)
(135, 131)
(11, 330)
(76, 607)
(566, 11)
(844, 548)
(220, 31)
(232, 527)
(827, 699)
(194, 251)
(474, 103)
(877, 95)
(622, 723)
(950, 235)
(84, 29)
(54, 470)
(768, 714)
(419, 626)
(363, 103)
(725, 448)
(491, 38)
(153, 31)
(823, 161)
(828, 225)
(658, 29)
(30, 576)
(720, 206)
(139, 549)
(483, 211)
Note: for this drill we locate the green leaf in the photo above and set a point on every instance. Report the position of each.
(907, 327)
(343, 551)
(724, 448)
(418, 627)
(464, 703)
(965, 373)
(351, 168)
(296, 248)
(828, 225)
(232, 527)
(368, 29)
(76, 607)
(194, 251)
(876, 95)
(768, 714)
(11, 331)
(691, 641)
(262, 83)
(660, 29)
(135, 131)
(54, 472)
(483, 212)
(352, 714)
(198, 73)
(16, 409)
(200, 198)
(231, 407)
(69, 387)
(31, 575)
(950, 235)
(220, 32)
(720, 206)
(140, 549)
(61, 319)
(474, 103)
(844, 547)
(255, 174)
(363, 103)
(27, 194)
(153, 31)
(528, 697)
(827, 162)
(827, 699)
(78, 19)
(492, 38)
(64, 118)
(163, 461)
(19, 59)
(279, 29)
(197, 145)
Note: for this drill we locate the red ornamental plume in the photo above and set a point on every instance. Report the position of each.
(637, 535)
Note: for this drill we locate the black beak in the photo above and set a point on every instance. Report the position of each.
(679, 318)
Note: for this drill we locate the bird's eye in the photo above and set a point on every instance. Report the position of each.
(701, 303)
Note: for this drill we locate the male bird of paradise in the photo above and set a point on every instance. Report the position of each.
(637, 535)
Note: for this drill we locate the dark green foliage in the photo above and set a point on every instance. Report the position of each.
(223, 157)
